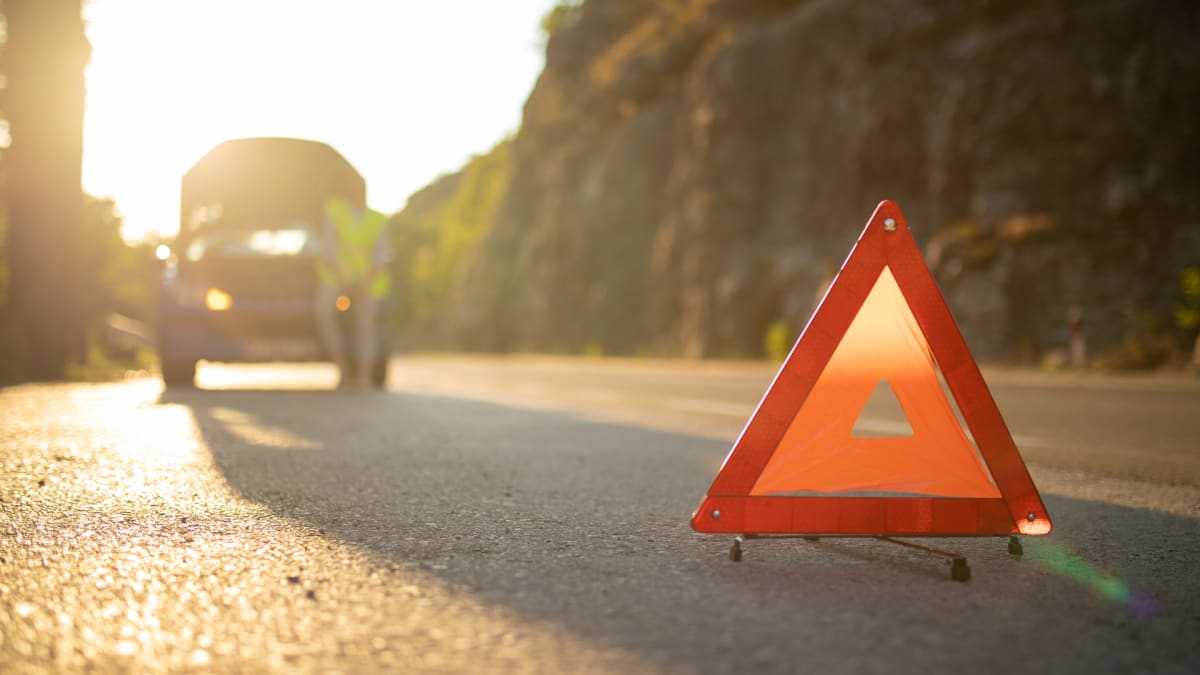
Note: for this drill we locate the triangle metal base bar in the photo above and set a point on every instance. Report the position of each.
(959, 570)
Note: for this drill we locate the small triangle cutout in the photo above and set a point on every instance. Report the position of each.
(882, 416)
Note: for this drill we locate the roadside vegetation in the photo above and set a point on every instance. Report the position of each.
(434, 237)
(63, 264)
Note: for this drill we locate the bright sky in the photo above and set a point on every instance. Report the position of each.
(405, 89)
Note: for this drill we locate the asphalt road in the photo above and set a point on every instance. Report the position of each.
(531, 515)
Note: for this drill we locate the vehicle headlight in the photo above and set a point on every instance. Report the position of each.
(217, 300)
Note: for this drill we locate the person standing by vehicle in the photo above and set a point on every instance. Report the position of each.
(352, 274)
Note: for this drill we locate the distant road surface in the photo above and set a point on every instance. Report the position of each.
(531, 515)
(1137, 426)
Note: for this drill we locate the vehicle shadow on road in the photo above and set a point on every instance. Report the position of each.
(584, 525)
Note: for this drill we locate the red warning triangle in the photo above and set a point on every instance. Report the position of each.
(800, 467)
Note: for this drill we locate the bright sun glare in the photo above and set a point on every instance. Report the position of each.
(405, 90)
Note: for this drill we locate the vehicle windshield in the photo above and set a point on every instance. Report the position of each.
(250, 243)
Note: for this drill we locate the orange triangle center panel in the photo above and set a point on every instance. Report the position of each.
(801, 467)
(819, 453)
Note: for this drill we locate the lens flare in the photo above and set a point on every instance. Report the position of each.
(1070, 566)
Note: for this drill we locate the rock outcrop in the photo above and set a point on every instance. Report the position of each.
(690, 173)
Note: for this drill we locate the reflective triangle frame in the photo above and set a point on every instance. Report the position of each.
(729, 506)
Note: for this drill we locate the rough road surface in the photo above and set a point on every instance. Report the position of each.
(497, 524)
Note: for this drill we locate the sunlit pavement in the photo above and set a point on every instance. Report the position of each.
(500, 515)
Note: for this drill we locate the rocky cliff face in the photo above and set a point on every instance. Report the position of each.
(689, 173)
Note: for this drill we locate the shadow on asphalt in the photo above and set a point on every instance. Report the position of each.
(585, 525)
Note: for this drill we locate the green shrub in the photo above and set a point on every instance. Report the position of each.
(777, 341)
(1187, 315)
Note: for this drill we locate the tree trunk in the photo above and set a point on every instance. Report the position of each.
(44, 60)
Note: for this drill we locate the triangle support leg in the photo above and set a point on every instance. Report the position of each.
(959, 570)
(1014, 546)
